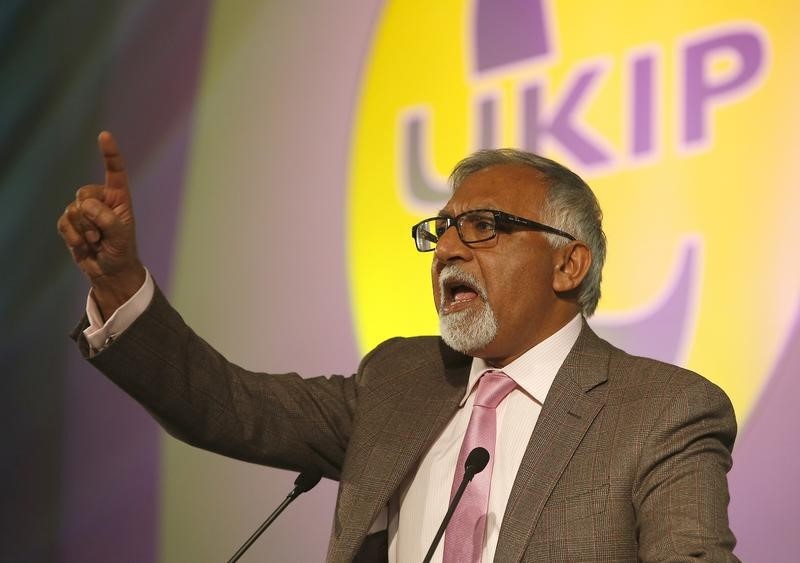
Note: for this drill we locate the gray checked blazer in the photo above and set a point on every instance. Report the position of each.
(627, 462)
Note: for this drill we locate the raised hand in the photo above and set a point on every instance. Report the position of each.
(99, 230)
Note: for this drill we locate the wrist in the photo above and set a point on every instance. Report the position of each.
(110, 292)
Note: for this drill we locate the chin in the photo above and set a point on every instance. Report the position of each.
(469, 332)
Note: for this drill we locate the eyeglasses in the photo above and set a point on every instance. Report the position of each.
(478, 225)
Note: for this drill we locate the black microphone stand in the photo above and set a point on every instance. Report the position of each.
(306, 481)
(475, 463)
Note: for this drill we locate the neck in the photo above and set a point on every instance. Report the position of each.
(498, 356)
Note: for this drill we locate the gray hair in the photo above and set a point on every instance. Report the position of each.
(570, 205)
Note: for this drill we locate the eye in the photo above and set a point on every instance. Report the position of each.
(483, 225)
(480, 223)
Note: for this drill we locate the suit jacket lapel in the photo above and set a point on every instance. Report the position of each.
(401, 431)
(566, 415)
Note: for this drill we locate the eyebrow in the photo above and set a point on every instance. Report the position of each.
(443, 213)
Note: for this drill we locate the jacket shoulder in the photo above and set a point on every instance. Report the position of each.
(630, 377)
(408, 357)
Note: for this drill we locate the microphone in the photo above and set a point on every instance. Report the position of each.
(475, 463)
(306, 481)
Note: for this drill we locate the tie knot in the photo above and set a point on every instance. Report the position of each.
(493, 386)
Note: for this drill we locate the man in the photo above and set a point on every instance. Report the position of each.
(596, 455)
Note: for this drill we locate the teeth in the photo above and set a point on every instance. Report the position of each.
(463, 293)
(457, 285)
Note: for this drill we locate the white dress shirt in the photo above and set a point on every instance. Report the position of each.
(416, 511)
(99, 334)
(418, 508)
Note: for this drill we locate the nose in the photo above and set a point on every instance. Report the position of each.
(450, 247)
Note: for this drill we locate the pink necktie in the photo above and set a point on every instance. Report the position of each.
(463, 541)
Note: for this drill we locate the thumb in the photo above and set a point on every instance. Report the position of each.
(108, 222)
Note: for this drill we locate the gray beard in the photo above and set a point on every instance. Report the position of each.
(466, 331)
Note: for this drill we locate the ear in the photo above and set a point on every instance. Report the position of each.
(571, 264)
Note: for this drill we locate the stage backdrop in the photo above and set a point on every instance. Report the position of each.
(280, 151)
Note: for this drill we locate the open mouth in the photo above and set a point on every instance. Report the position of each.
(458, 290)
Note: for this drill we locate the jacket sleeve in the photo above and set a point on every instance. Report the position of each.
(198, 396)
(681, 492)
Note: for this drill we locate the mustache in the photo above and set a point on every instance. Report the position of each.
(452, 273)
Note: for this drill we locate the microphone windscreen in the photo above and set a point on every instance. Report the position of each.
(476, 461)
(307, 480)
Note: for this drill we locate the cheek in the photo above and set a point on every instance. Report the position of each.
(513, 285)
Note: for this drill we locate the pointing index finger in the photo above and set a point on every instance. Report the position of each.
(116, 176)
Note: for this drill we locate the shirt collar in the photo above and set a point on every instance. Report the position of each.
(535, 370)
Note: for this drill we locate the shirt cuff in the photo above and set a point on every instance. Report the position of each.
(99, 334)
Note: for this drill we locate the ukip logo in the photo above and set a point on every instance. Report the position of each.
(611, 112)
(516, 33)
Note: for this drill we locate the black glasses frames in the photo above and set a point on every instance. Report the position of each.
(474, 226)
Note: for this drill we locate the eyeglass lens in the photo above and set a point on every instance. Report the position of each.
(472, 227)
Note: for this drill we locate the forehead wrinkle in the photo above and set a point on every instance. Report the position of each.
(472, 206)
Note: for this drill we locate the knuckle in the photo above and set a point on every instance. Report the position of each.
(64, 225)
(71, 239)
(88, 191)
